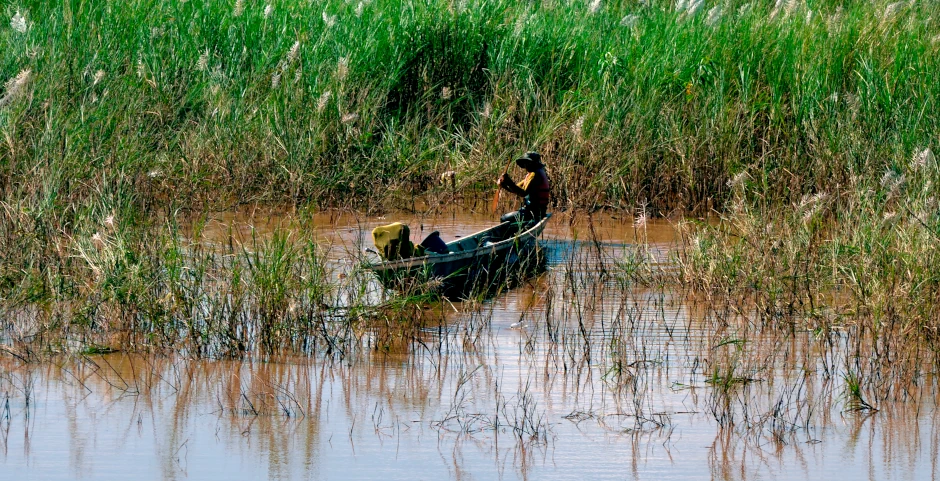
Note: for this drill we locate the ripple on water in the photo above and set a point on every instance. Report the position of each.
(605, 379)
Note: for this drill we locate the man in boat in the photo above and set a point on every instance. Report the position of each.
(534, 189)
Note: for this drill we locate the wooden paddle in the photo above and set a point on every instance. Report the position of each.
(498, 188)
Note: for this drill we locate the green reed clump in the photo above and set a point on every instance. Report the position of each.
(860, 259)
(115, 288)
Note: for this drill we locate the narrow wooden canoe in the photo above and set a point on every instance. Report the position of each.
(472, 262)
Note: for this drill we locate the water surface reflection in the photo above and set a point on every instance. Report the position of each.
(600, 378)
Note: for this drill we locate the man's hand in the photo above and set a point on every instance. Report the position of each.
(506, 182)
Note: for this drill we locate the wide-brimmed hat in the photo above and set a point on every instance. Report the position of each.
(531, 157)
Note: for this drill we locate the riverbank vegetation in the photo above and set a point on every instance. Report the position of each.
(354, 103)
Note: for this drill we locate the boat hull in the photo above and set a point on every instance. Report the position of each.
(474, 264)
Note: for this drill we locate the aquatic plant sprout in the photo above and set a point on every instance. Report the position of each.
(328, 20)
(925, 160)
(342, 69)
(629, 20)
(16, 87)
(323, 100)
(202, 64)
(294, 53)
(594, 6)
(18, 23)
(714, 15)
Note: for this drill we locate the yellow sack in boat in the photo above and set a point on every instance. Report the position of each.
(393, 241)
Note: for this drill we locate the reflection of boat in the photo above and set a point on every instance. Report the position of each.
(470, 264)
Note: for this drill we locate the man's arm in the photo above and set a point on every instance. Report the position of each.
(506, 183)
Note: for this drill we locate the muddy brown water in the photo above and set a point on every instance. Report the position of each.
(578, 374)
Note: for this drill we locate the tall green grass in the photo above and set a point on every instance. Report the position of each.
(344, 102)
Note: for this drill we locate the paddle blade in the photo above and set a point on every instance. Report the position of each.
(496, 195)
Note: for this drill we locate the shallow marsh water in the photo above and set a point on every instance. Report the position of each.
(579, 373)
